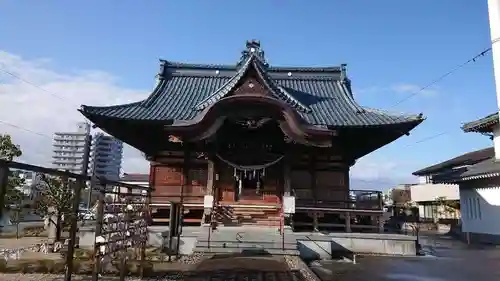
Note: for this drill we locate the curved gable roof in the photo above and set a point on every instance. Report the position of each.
(321, 95)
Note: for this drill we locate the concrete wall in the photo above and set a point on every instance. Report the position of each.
(155, 239)
(480, 207)
(314, 247)
(310, 246)
(429, 192)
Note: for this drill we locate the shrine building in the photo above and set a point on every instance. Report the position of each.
(248, 135)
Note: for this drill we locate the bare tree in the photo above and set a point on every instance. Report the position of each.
(55, 201)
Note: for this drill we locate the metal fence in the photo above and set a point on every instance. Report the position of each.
(118, 220)
(356, 200)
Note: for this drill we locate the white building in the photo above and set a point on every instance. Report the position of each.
(480, 183)
(69, 148)
(480, 187)
(106, 156)
(430, 188)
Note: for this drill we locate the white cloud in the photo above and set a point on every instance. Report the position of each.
(372, 170)
(379, 170)
(40, 110)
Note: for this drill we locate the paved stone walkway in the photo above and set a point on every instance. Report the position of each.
(219, 268)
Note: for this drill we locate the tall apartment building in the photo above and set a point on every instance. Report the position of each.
(106, 156)
(69, 148)
(105, 152)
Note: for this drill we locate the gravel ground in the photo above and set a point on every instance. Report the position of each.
(12, 243)
(52, 277)
(27, 242)
(295, 263)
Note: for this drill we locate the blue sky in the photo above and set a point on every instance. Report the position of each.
(390, 47)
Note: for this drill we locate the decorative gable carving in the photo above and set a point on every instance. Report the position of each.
(251, 87)
(252, 65)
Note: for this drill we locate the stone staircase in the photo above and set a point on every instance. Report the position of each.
(246, 240)
(241, 215)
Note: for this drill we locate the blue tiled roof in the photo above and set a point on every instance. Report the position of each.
(322, 96)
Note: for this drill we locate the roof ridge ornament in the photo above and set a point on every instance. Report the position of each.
(344, 79)
(253, 48)
(343, 73)
(161, 74)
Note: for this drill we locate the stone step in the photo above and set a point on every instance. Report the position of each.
(254, 231)
(289, 244)
(261, 223)
(238, 212)
(222, 244)
(249, 251)
(249, 222)
(250, 209)
(249, 217)
(229, 220)
(262, 217)
(253, 214)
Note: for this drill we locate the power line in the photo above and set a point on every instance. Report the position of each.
(443, 76)
(4, 70)
(24, 129)
(428, 138)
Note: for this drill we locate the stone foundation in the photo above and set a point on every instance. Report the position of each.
(309, 246)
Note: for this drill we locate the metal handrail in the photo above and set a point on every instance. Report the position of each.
(239, 237)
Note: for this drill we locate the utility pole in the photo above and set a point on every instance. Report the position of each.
(80, 185)
(494, 18)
